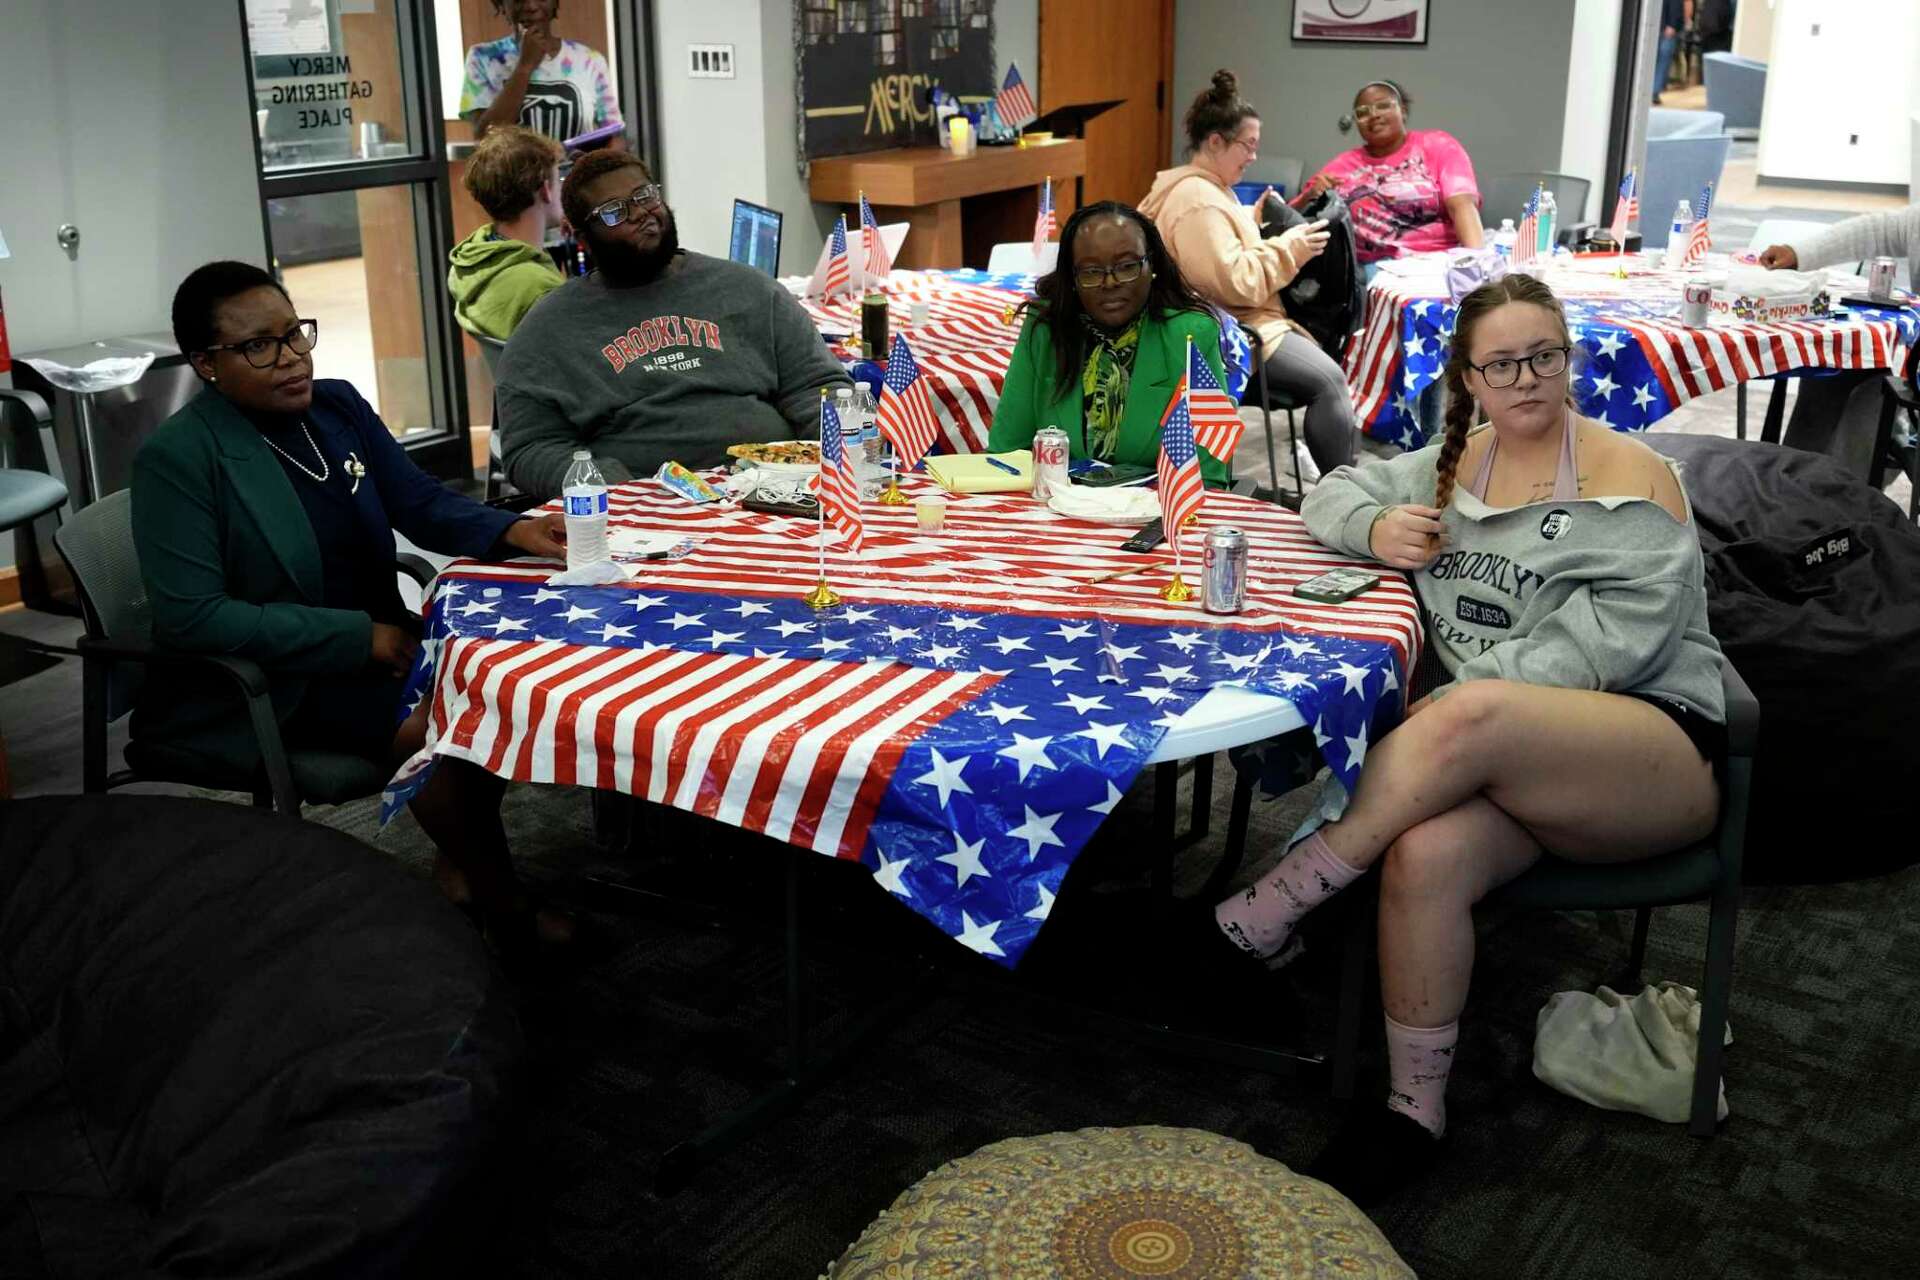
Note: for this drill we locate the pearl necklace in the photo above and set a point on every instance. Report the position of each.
(325, 469)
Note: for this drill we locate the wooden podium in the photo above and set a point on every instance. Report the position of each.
(958, 209)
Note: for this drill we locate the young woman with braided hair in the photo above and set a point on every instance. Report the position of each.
(1564, 594)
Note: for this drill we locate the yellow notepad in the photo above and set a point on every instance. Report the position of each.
(972, 473)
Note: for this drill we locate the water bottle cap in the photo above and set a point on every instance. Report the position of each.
(579, 454)
(864, 386)
(843, 393)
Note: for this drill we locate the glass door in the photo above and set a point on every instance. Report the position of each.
(355, 185)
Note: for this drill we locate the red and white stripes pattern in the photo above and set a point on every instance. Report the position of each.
(801, 749)
(963, 349)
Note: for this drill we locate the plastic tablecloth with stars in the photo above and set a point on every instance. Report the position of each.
(1637, 362)
(961, 723)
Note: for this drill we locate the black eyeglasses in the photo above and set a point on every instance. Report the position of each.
(264, 353)
(615, 212)
(1549, 362)
(1103, 277)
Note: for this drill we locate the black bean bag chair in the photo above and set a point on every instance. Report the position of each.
(234, 1044)
(1814, 582)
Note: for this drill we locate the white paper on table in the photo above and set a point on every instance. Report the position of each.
(892, 234)
(637, 544)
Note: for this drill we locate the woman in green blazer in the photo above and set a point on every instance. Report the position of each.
(264, 516)
(1105, 344)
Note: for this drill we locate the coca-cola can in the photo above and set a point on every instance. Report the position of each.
(1694, 297)
(1880, 280)
(1049, 462)
(1224, 571)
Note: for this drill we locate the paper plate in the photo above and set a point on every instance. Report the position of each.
(1128, 506)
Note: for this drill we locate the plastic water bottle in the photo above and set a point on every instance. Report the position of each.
(872, 444)
(1505, 238)
(1677, 234)
(585, 491)
(1549, 214)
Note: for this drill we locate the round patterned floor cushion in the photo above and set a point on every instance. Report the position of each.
(1114, 1204)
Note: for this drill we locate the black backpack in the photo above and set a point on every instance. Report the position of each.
(1326, 298)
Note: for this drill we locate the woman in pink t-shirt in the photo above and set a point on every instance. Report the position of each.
(1410, 191)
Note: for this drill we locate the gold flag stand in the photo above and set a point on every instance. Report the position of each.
(891, 495)
(1177, 591)
(822, 596)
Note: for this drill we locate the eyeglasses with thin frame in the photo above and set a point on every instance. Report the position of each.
(1548, 362)
(1253, 148)
(264, 353)
(615, 212)
(1107, 277)
(1367, 110)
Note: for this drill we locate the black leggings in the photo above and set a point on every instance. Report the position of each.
(1310, 375)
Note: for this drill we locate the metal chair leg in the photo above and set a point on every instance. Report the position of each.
(1353, 977)
(1776, 413)
(93, 725)
(1740, 411)
(1637, 957)
(1236, 850)
(1293, 446)
(1202, 821)
(1716, 991)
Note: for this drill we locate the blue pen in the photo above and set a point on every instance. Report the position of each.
(995, 462)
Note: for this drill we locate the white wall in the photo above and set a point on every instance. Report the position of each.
(132, 121)
(1814, 128)
(1753, 29)
(1591, 59)
(1493, 73)
(722, 139)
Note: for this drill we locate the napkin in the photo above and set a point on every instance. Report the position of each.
(598, 574)
(1121, 503)
(972, 473)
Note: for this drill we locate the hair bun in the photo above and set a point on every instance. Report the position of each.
(1226, 86)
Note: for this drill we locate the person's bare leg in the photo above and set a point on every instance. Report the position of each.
(1593, 776)
(459, 809)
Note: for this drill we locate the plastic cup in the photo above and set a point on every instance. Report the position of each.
(931, 512)
(921, 312)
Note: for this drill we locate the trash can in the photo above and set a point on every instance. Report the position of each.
(97, 433)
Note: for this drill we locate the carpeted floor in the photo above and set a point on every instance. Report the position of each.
(674, 1019)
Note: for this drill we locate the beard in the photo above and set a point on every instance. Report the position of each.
(623, 264)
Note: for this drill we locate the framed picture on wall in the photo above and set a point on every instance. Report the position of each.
(1371, 21)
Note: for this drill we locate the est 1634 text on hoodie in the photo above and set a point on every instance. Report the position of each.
(1603, 593)
(709, 354)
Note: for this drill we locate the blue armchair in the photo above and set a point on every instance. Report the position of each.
(1685, 151)
(1736, 87)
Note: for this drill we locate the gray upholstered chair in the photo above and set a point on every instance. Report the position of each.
(1736, 88)
(1685, 151)
(118, 651)
(1503, 194)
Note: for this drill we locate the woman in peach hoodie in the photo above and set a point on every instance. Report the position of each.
(1217, 243)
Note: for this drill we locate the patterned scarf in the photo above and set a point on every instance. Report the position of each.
(1104, 382)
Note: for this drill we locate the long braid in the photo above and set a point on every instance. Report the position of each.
(1459, 418)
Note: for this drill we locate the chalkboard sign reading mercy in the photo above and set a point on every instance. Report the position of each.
(866, 66)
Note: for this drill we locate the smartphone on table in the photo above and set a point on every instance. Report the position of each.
(1336, 585)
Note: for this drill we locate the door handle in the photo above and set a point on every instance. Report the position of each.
(68, 237)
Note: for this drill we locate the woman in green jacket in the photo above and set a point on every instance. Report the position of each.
(1105, 344)
(264, 516)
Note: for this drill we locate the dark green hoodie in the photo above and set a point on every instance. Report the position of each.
(494, 280)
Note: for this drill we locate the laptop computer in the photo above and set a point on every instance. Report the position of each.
(756, 237)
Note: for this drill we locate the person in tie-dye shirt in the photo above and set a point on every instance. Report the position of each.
(532, 77)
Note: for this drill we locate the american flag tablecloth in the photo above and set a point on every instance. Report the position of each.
(961, 724)
(1640, 363)
(967, 343)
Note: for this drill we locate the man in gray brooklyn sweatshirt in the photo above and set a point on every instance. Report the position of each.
(660, 355)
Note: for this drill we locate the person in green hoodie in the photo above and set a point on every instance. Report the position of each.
(1105, 345)
(500, 271)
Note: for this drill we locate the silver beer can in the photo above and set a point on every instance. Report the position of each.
(1049, 463)
(1880, 280)
(1224, 571)
(1694, 297)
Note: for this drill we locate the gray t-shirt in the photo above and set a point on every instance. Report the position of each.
(712, 353)
(1590, 593)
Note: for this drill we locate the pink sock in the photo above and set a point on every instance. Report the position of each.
(1418, 1060)
(1260, 920)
